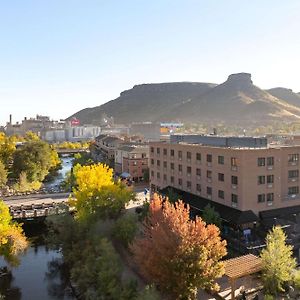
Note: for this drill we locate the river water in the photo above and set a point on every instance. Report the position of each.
(41, 274)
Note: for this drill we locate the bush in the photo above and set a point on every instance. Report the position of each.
(125, 229)
(268, 297)
(149, 293)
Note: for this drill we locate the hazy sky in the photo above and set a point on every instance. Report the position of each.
(59, 56)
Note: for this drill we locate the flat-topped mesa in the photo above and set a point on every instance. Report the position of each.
(240, 79)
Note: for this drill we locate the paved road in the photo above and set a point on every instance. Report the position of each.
(36, 199)
(60, 197)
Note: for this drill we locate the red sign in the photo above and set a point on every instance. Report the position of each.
(75, 122)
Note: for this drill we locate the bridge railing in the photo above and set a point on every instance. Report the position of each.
(38, 210)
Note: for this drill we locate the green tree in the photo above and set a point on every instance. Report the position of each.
(125, 228)
(12, 239)
(149, 293)
(277, 261)
(3, 175)
(35, 159)
(210, 216)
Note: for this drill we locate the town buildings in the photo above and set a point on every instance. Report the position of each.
(53, 131)
(133, 160)
(244, 173)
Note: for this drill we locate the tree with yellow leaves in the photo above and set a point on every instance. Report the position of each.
(12, 239)
(96, 195)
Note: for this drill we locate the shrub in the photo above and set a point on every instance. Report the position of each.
(125, 229)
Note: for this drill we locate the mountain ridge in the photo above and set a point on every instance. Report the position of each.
(236, 99)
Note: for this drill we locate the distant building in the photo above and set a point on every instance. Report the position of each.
(104, 148)
(133, 160)
(150, 131)
(53, 131)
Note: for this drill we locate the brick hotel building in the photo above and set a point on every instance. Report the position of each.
(246, 174)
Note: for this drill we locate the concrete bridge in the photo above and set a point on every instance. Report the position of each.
(36, 206)
(71, 151)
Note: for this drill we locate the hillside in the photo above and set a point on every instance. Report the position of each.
(286, 94)
(237, 99)
(145, 102)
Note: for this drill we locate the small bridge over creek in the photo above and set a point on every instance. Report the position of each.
(27, 208)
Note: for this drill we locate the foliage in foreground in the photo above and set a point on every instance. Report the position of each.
(125, 229)
(12, 239)
(96, 196)
(278, 262)
(178, 254)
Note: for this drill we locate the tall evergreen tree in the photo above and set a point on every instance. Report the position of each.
(278, 262)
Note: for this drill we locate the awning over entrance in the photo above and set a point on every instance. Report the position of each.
(125, 175)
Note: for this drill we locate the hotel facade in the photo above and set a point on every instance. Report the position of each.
(244, 173)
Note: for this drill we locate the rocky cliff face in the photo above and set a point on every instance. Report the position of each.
(237, 99)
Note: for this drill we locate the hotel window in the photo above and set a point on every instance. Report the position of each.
(144, 155)
(198, 172)
(165, 164)
(293, 157)
(261, 161)
(180, 168)
(189, 170)
(270, 179)
(209, 158)
(270, 197)
(270, 161)
(152, 161)
(261, 198)
(152, 149)
(158, 175)
(172, 166)
(179, 181)
(221, 160)
(293, 190)
(165, 151)
(198, 187)
(221, 194)
(208, 174)
(180, 154)
(209, 190)
(221, 176)
(152, 174)
(165, 177)
(172, 179)
(188, 184)
(189, 155)
(158, 150)
(158, 163)
(261, 179)
(293, 173)
(198, 156)
(172, 152)
(234, 180)
(234, 200)
(234, 162)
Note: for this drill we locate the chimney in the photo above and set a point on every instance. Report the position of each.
(25, 118)
(215, 131)
(10, 119)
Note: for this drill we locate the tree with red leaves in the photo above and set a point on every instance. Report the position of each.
(179, 255)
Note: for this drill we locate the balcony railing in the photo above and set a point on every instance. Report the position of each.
(234, 168)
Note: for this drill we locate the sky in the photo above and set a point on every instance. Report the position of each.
(60, 56)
